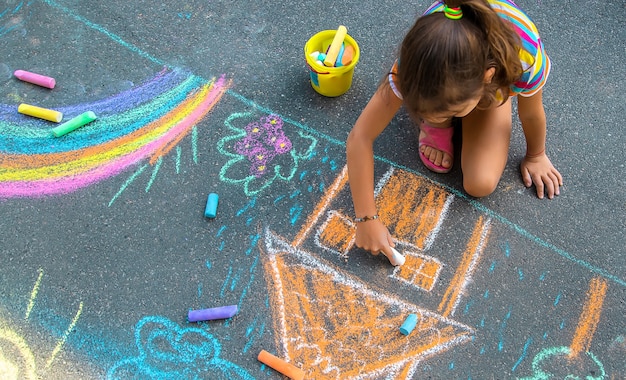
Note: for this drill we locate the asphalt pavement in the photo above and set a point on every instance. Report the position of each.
(105, 246)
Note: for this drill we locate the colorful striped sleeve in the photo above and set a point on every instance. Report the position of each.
(535, 61)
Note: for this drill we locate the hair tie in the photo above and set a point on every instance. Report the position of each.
(454, 13)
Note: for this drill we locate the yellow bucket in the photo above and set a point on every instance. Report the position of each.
(329, 81)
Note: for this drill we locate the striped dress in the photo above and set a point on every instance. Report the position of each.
(535, 61)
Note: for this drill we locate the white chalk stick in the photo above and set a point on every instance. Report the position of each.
(396, 258)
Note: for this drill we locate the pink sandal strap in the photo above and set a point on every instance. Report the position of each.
(437, 138)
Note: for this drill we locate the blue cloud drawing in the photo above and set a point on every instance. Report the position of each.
(168, 351)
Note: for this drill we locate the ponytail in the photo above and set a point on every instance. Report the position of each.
(504, 44)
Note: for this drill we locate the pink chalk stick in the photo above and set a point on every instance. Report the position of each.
(33, 78)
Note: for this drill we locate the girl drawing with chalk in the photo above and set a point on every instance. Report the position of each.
(463, 61)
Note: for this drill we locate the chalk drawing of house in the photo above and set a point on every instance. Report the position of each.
(337, 326)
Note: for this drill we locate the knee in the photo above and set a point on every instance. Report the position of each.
(480, 186)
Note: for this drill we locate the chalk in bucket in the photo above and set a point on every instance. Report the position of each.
(330, 81)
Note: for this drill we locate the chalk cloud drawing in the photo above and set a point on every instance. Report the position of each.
(142, 124)
(262, 151)
(169, 351)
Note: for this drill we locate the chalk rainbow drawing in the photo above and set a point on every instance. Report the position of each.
(281, 258)
(141, 124)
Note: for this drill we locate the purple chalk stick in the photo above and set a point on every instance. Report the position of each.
(221, 312)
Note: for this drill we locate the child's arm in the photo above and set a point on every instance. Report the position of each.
(536, 166)
(371, 235)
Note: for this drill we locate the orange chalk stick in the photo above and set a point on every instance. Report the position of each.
(348, 55)
(281, 366)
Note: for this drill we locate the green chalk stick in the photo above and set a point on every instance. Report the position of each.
(74, 123)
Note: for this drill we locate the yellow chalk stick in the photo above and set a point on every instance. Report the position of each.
(42, 113)
(335, 46)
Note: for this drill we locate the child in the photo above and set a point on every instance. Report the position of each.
(461, 59)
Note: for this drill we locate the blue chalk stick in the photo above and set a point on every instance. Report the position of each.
(340, 56)
(211, 205)
(221, 312)
(409, 324)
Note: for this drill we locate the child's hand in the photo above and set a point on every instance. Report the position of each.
(373, 236)
(540, 171)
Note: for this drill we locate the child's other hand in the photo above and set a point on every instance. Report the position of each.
(374, 237)
(540, 171)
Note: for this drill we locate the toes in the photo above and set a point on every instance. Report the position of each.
(437, 157)
(446, 162)
(431, 154)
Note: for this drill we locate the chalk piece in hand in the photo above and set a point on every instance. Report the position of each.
(222, 312)
(38, 79)
(396, 258)
(42, 113)
(409, 324)
(211, 205)
(74, 123)
(281, 366)
(335, 46)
